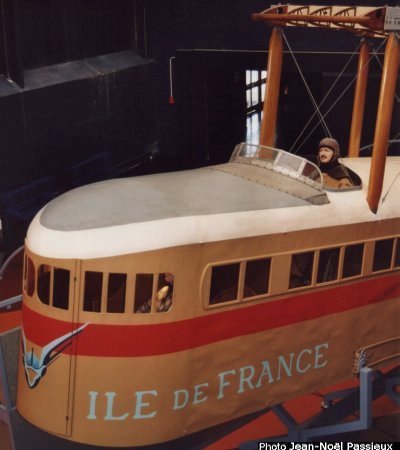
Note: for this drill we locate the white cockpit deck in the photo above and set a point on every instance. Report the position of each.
(245, 197)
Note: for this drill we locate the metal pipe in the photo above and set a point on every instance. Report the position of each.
(383, 120)
(270, 108)
(359, 101)
(171, 84)
(9, 259)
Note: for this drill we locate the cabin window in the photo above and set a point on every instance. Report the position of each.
(92, 291)
(328, 265)
(257, 277)
(397, 254)
(30, 277)
(301, 270)
(383, 254)
(352, 261)
(224, 283)
(143, 292)
(61, 288)
(43, 283)
(163, 292)
(116, 292)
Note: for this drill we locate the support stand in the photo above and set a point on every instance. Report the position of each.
(329, 421)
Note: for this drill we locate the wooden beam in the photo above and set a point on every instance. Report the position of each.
(270, 108)
(383, 120)
(359, 101)
(365, 21)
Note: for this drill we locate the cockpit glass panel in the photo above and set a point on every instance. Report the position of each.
(61, 288)
(224, 283)
(280, 161)
(256, 151)
(92, 291)
(288, 161)
(310, 171)
(116, 292)
(43, 284)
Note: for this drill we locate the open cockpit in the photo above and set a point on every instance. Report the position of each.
(291, 166)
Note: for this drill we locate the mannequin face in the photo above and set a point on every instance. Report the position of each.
(325, 154)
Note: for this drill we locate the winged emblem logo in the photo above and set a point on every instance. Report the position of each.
(36, 365)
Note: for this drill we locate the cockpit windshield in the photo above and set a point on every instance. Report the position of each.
(279, 161)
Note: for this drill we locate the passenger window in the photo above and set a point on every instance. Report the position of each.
(257, 277)
(61, 288)
(383, 254)
(397, 255)
(30, 277)
(352, 262)
(165, 290)
(92, 292)
(301, 270)
(43, 283)
(143, 292)
(224, 283)
(328, 265)
(116, 292)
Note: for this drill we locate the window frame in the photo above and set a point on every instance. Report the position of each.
(395, 251)
(51, 283)
(392, 257)
(339, 266)
(70, 288)
(108, 294)
(206, 278)
(266, 258)
(363, 261)
(155, 288)
(52, 268)
(130, 292)
(314, 267)
(83, 293)
(257, 83)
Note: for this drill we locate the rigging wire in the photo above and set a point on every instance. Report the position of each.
(379, 62)
(324, 99)
(390, 142)
(307, 88)
(337, 100)
(390, 187)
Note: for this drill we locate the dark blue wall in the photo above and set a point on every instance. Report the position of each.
(78, 78)
(230, 42)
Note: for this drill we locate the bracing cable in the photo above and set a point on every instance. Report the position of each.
(307, 88)
(324, 99)
(337, 100)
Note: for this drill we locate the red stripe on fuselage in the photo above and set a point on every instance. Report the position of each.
(157, 339)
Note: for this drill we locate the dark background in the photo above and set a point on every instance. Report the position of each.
(79, 78)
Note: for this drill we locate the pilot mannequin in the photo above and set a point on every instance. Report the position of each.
(335, 175)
